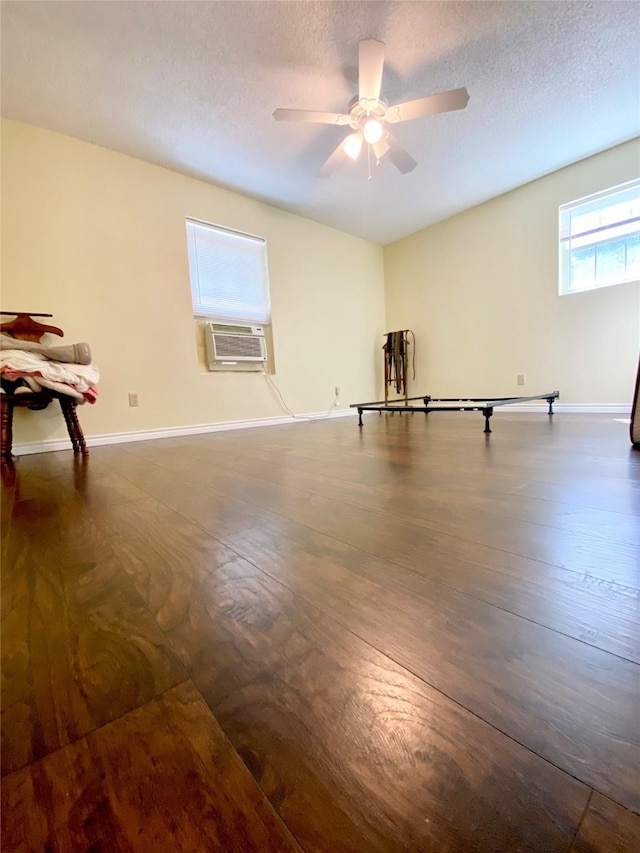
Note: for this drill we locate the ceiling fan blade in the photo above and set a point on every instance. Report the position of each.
(311, 116)
(380, 148)
(332, 163)
(370, 65)
(456, 99)
(399, 156)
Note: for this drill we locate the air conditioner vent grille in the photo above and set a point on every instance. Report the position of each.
(238, 346)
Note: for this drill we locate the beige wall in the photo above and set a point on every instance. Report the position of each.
(98, 240)
(480, 290)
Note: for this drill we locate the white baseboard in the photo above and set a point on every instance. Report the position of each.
(52, 444)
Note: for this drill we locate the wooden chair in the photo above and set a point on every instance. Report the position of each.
(25, 328)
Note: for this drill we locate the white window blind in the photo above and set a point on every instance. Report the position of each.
(600, 239)
(229, 276)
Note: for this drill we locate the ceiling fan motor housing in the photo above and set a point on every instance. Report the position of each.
(361, 109)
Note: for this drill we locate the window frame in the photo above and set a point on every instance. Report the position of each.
(627, 228)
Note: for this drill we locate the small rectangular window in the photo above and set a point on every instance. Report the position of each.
(229, 275)
(600, 239)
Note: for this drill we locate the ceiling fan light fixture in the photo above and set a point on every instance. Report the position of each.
(369, 116)
(372, 131)
(352, 145)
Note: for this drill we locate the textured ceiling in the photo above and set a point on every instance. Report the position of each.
(192, 86)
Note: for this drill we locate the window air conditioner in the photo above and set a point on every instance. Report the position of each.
(234, 347)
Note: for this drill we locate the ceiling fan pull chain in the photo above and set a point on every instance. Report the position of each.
(369, 159)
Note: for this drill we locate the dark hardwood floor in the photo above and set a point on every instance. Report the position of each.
(410, 637)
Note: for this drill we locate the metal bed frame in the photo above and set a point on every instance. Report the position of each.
(486, 405)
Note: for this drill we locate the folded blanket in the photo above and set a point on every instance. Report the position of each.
(82, 375)
(76, 380)
(36, 383)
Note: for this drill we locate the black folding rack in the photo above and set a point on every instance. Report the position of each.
(463, 404)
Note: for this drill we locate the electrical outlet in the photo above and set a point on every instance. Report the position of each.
(133, 400)
(522, 379)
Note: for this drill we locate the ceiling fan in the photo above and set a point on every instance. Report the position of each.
(368, 116)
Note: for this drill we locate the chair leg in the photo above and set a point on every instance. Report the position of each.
(79, 434)
(6, 438)
(68, 407)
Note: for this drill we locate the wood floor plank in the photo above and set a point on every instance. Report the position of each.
(41, 475)
(446, 502)
(406, 536)
(79, 646)
(575, 705)
(354, 753)
(218, 511)
(606, 616)
(607, 828)
(571, 469)
(588, 496)
(465, 534)
(604, 613)
(167, 557)
(482, 657)
(182, 787)
(278, 676)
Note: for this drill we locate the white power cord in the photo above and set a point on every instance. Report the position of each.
(334, 405)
